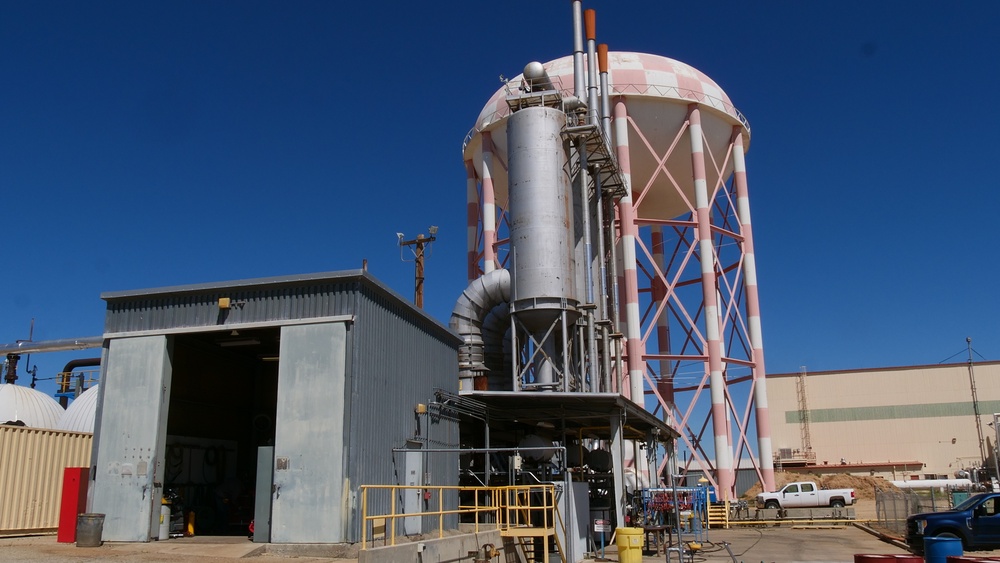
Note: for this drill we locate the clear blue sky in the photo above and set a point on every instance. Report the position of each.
(147, 144)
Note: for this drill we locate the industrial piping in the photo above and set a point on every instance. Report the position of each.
(64, 345)
(475, 304)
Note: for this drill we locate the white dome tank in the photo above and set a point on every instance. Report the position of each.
(34, 408)
(79, 417)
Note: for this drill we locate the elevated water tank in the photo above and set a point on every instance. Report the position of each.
(28, 406)
(657, 91)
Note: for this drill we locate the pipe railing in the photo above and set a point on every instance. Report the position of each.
(663, 91)
(507, 509)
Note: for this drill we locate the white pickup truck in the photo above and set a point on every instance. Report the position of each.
(805, 494)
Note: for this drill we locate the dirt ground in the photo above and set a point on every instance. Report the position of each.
(864, 486)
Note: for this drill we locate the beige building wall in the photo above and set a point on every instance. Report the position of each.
(32, 462)
(919, 413)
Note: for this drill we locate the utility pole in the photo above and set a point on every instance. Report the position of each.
(419, 244)
(804, 434)
(975, 404)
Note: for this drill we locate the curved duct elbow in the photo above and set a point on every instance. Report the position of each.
(472, 308)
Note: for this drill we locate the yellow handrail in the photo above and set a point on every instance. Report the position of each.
(516, 507)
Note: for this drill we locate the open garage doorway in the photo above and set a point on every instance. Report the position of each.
(221, 411)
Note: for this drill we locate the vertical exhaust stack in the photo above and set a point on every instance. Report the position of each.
(590, 20)
(602, 64)
(578, 78)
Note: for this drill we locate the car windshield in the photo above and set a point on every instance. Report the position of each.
(969, 502)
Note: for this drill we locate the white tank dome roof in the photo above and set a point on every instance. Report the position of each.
(34, 408)
(634, 75)
(79, 417)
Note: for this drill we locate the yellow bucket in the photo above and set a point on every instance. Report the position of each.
(629, 542)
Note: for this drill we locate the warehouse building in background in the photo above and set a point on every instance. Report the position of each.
(913, 422)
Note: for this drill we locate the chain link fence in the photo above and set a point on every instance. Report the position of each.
(893, 507)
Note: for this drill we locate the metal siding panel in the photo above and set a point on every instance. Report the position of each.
(397, 365)
(31, 470)
(136, 390)
(308, 505)
(301, 297)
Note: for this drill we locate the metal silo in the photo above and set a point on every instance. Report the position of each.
(660, 230)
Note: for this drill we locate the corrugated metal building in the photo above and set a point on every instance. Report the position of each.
(275, 396)
(32, 461)
(901, 422)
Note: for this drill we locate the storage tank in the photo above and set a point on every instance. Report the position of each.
(79, 416)
(657, 92)
(541, 217)
(680, 281)
(27, 406)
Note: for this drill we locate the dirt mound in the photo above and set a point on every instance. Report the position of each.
(864, 486)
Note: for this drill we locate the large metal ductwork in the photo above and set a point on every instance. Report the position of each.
(476, 304)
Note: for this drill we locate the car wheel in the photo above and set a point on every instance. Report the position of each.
(772, 504)
(837, 504)
(951, 535)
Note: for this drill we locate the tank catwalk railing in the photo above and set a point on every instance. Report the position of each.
(625, 89)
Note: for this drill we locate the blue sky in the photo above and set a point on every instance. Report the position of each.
(153, 144)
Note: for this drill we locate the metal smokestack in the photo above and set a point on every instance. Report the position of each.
(590, 19)
(602, 64)
(578, 78)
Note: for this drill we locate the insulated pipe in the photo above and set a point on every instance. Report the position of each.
(764, 447)
(489, 207)
(70, 366)
(495, 325)
(52, 345)
(590, 23)
(578, 78)
(588, 367)
(81, 363)
(630, 232)
(602, 286)
(475, 303)
(706, 252)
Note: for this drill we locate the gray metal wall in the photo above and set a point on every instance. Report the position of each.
(398, 364)
(127, 469)
(263, 300)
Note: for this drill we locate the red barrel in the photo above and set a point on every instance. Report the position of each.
(859, 558)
